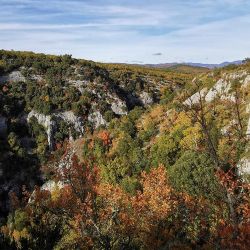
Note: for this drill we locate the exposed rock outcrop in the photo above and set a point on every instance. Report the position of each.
(195, 98)
(80, 85)
(146, 99)
(248, 129)
(52, 186)
(244, 164)
(49, 122)
(246, 82)
(70, 117)
(15, 76)
(235, 75)
(119, 107)
(220, 89)
(97, 119)
(38, 78)
(244, 167)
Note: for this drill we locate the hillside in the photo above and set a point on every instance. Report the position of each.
(46, 100)
(189, 69)
(126, 157)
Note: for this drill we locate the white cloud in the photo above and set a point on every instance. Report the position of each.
(112, 30)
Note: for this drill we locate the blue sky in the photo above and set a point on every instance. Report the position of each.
(131, 31)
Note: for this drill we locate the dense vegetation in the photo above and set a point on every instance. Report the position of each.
(161, 176)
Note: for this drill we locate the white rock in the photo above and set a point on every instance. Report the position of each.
(226, 128)
(119, 107)
(195, 98)
(37, 78)
(70, 117)
(235, 75)
(246, 82)
(248, 129)
(97, 119)
(248, 108)
(47, 123)
(15, 76)
(80, 85)
(221, 88)
(244, 166)
(52, 185)
(146, 99)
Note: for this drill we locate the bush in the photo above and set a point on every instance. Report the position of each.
(194, 173)
(109, 115)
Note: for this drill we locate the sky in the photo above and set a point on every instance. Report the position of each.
(131, 31)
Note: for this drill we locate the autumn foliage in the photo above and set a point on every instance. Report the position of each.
(235, 233)
(98, 215)
(173, 174)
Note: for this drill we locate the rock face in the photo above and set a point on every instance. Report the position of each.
(38, 78)
(146, 99)
(235, 75)
(97, 119)
(195, 98)
(119, 107)
(246, 82)
(3, 126)
(244, 166)
(14, 76)
(64, 163)
(80, 85)
(49, 122)
(221, 88)
(70, 118)
(248, 129)
(225, 130)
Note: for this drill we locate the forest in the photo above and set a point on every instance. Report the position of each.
(113, 156)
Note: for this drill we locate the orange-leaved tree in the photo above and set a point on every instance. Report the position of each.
(235, 232)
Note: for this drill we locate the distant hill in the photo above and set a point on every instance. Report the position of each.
(203, 65)
(185, 68)
(167, 67)
(212, 66)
